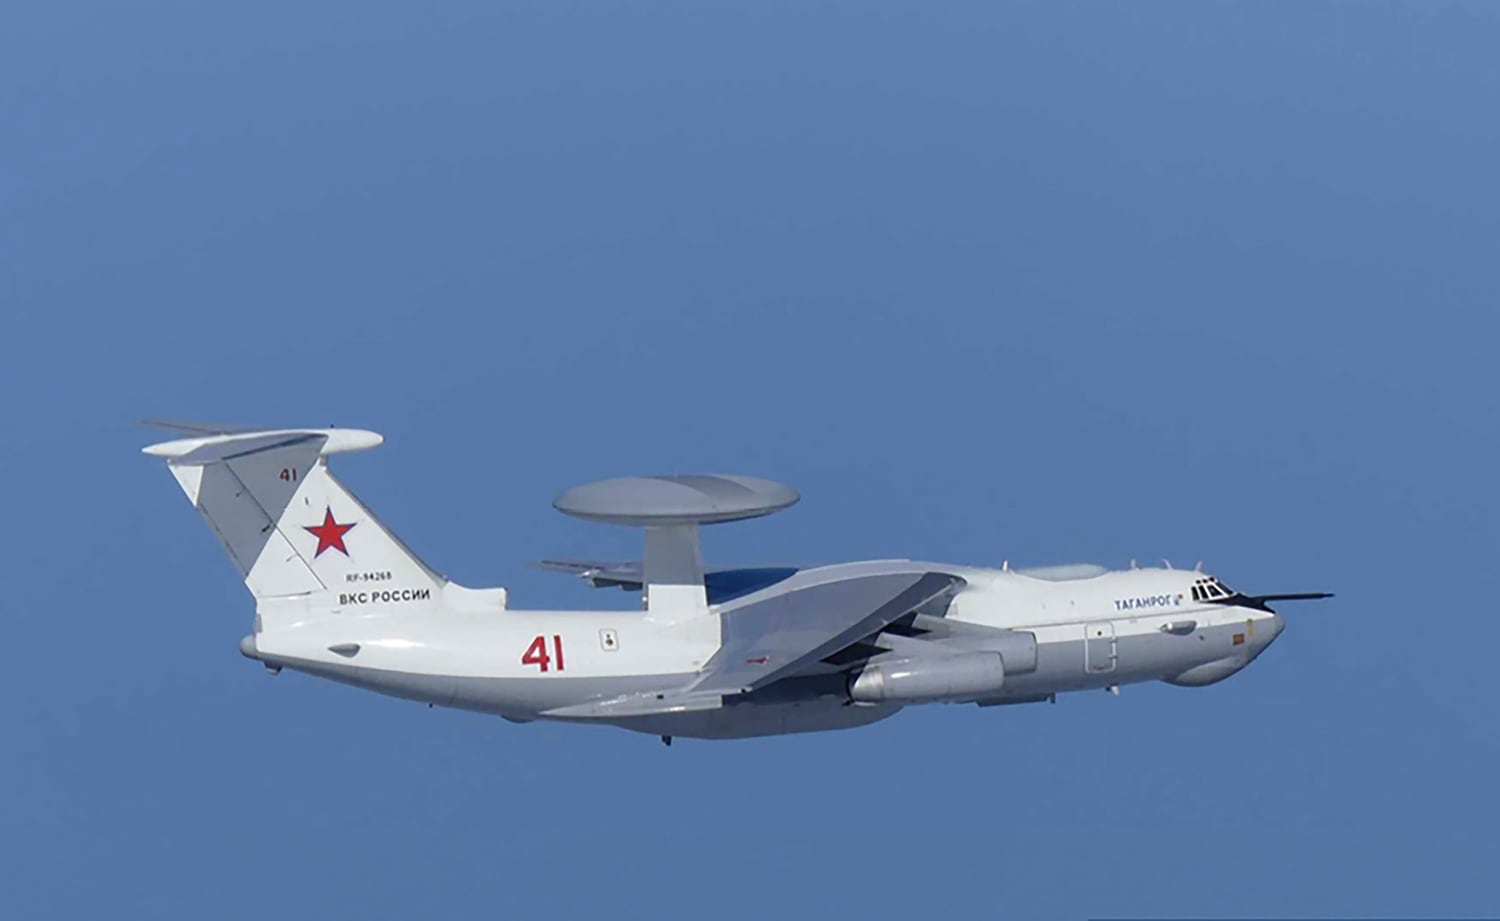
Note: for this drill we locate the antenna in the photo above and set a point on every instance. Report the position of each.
(671, 509)
(1167, 562)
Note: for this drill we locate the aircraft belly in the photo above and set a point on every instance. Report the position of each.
(523, 698)
(755, 720)
(513, 697)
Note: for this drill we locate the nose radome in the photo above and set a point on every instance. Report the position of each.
(1266, 632)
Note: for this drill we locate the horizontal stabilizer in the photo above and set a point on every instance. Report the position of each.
(209, 449)
(199, 428)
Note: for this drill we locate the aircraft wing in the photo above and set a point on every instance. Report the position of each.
(599, 573)
(721, 585)
(786, 629)
(777, 632)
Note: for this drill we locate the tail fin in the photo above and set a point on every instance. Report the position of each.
(295, 533)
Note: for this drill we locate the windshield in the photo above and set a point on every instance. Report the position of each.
(1209, 588)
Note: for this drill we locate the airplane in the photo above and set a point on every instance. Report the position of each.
(711, 653)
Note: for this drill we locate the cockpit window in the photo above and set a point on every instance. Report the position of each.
(1209, 588)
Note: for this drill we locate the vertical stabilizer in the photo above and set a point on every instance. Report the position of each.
(298, 537)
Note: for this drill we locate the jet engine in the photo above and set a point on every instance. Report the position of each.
(966, 676)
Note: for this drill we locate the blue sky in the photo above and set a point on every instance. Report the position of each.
(1036, 281)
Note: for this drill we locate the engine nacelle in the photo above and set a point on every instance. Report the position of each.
(966, 676)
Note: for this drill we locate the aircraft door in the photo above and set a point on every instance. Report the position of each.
(1099, 647)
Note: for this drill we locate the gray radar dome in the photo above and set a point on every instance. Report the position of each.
(676, 500)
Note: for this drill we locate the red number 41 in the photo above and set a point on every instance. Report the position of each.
(536, 653)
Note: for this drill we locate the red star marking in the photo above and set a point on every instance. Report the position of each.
(329, 534)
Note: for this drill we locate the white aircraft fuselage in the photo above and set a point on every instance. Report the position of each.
(1094, 629)
(710, 654)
